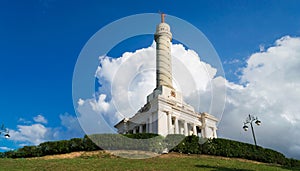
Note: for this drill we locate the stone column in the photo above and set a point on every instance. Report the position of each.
(185, 129)
(176, 126)
(204, 135)
(141, 128)
(195, 130)
(169, 123)
(150, 123)
(134, 130)
(147, 126)
(215, 133)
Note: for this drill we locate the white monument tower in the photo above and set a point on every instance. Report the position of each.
(163, 37)
(165, 111)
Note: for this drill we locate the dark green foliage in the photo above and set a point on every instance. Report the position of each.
(155, 143)
(53, 147)
(293, 163)
(28, 151)
(188, 145)
(230, 148)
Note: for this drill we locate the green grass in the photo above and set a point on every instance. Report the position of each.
(107, 162)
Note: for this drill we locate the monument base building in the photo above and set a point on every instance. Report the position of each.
(165, 111)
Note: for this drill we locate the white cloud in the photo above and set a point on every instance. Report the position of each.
(34, 134)
(126, 81)
(272, 93)
(72, 126)
(24, 121)
(91, 120)
(100, 105)
(261, 47)
(269, 89)
(129, 79)
(31, 134)
(40, 119)
(6, 148)
(80, 102)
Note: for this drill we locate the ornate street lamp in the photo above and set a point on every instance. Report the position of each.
(4, 131)
(7, 136)
(249, 120)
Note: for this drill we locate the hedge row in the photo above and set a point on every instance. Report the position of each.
(53, 147)
(155, 143)
(90, 143)
(230, 148)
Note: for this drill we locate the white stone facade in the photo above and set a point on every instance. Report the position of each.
(165, 111)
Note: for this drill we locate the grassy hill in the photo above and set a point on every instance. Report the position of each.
(99, 160)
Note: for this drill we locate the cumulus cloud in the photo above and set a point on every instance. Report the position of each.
(271, 91)
(40, 119)
(268, 88)
(91, 121)
(126, 81)
(72, 126)
(31, 134)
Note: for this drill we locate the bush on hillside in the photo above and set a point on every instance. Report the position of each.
(230, 148)
(53, 147)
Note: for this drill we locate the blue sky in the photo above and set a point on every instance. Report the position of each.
(40, 41)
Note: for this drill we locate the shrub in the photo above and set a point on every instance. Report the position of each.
(188, 145)
(230, 148)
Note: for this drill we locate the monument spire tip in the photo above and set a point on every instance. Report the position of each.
(162, 15)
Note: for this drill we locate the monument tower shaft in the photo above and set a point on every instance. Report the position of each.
(163, 37)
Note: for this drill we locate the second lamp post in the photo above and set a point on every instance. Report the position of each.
(249, 120)
(4, 131)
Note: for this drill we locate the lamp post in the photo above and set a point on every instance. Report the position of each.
(249, 120)
(4, 131)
